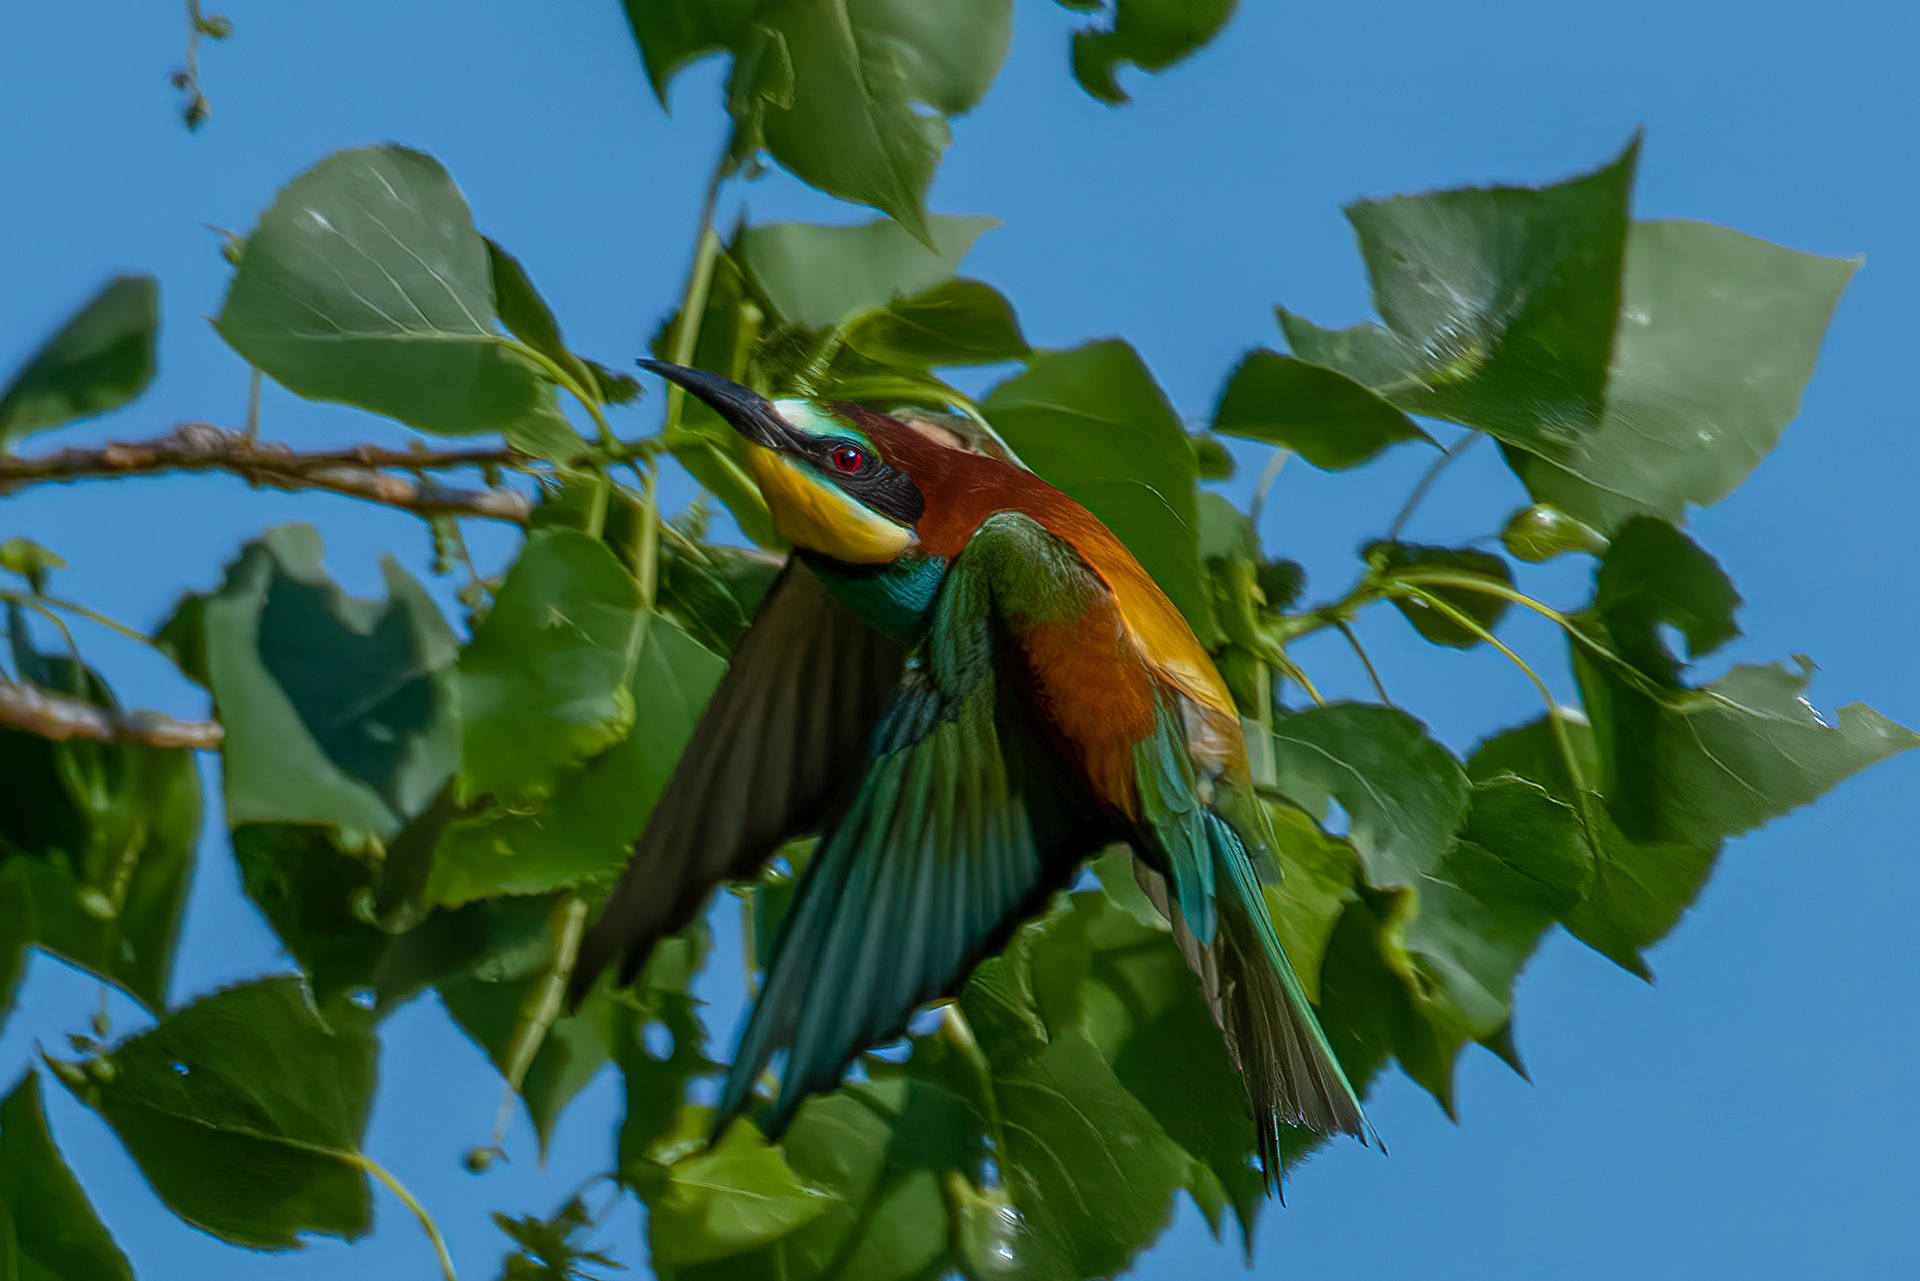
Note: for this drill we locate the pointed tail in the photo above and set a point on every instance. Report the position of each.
(1290, 1071)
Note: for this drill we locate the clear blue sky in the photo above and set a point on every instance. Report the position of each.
(1751, 1116)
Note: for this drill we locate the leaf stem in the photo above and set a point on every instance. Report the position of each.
(1419, 493)
(1555, 714)
(399, 1189)
(1365, 662)
(541, 1006)
(553, 370)
(693, 304)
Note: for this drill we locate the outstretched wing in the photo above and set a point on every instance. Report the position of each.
(964, 823)
(788, 727)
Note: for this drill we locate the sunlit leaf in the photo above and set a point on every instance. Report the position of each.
(55, 1231)
(728, 1199)
(868, 87)
(1092, 422)
(585, 830)
(543, 682)
(245, 1111)
(960, 322)
(365, 282)
(1404, 794)
(817, 276)
(99, 360)
(1718, 333)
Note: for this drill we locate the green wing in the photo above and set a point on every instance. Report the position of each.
(964, 824)
(769, 760)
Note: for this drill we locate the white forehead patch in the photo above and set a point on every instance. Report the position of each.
(809, 417)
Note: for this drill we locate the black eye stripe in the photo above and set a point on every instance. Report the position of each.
(889, 492)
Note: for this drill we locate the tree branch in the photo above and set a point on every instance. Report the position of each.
(362, 471)
(58, 716)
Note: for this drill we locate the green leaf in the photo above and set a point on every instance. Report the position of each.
(1638, 890)
(1092, 421)
(1152, 34)
(245, 1111)
(337, 711)
(543, 682)
(102, 358)
(551, 1249)
(1540, 532)
(55, 1231)
(573, 1049)
(673, 33)
(98, 842)
(318, 898)
(960, 322)
(1483, 607)
(713, 597)
(724, 1200)
(583, 833)
(1404, 794)
(818, 276)
(1718, 333)
(870, 85)
(366, 283)
(1321, 414)
(1654, 574)
(1627, 368)
(1727, 757)
(1316, 883)
(1533, 833)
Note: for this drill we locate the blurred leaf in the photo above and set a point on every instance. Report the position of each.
(1092, 422)
(245, 1111)
(28, 559)
(1404, 794)
(337, 710)
(1212, 458)
(673, 33)
(713, 598)
(1480, 606)
(526, 314)
(549, 1248)
(572, 1051)
(1321, 414)
(543, 682)
(959, 322)
(55, 1232)
(365, 282)
(583, 833)
(818, 276)
(1718, 333)
(1152, 34)
(853, 96)
(496, 940)
(102, 358)
(17, 929)
(1531, 751)
(735, 1196)
(97, 841)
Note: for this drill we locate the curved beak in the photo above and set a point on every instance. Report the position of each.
(746, 410)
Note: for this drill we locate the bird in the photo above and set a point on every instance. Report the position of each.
(965, 685)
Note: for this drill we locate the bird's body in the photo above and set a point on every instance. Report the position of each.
(966, 685)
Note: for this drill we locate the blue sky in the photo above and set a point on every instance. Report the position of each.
(1751, 1115)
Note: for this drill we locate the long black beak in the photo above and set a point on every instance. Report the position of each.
(749, 413)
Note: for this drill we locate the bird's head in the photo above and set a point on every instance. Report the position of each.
(830, 485)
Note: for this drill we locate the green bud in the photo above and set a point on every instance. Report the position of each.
(1541, 532)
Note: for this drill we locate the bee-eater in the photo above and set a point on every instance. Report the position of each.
(965, 685)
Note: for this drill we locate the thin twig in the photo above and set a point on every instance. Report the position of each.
(1365, 662)
(360, 471)
(59, 716)
(1440, 464)
(399, 1189)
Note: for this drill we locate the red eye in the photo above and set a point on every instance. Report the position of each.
(846, 458)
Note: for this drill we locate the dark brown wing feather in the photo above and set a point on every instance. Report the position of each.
(787, 732)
